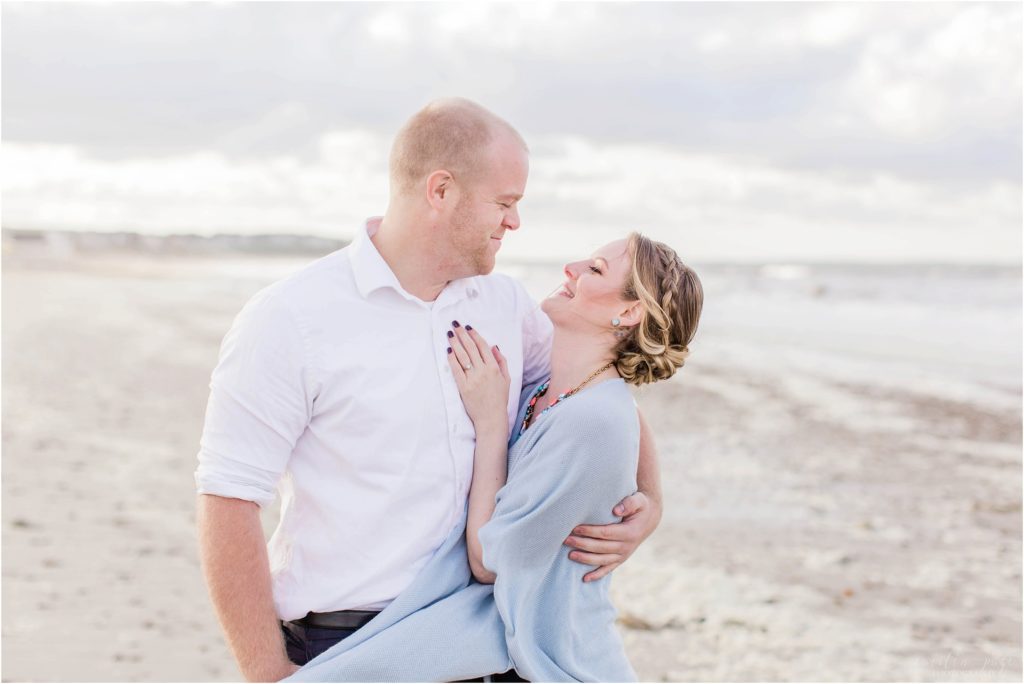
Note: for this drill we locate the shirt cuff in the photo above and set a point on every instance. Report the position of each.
(242, 481)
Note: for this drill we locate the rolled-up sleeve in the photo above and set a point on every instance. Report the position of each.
(260, 403)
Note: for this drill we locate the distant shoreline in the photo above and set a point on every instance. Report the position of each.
(65, 242)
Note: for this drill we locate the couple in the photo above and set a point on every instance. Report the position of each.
(396, 395)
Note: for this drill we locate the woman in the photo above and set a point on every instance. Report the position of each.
(626, 315)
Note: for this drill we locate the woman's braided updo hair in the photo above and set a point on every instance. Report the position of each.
(672, 297)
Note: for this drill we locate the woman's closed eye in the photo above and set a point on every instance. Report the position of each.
(595, 269)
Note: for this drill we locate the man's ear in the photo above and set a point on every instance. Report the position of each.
(632, 315)
(440, 185)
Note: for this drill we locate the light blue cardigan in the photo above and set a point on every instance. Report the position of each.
(570, 467)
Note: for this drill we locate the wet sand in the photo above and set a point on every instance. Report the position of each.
(834, 510)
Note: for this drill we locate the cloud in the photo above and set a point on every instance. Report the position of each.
(868, 130)
(928, 85)
(581, 194)
(58, 186)
(720, 208)
(869, 87)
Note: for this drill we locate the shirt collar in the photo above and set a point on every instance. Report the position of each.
(373, 273)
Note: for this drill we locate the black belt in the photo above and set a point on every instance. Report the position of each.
(339, 619)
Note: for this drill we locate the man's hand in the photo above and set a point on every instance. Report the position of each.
(610, 545)
(289, 669)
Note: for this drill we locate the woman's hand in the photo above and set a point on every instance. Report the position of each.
(482, 377)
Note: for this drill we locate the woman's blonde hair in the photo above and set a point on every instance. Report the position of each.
(672, 297)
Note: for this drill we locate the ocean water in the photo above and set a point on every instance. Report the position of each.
(951, 331)
(946, 330)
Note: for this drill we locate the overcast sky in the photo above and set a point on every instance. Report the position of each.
(734, 131)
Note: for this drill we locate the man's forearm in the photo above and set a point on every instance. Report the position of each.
(237, 571)
(648, 474)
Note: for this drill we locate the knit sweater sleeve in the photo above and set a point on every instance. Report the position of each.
(538, 616)
(574, 474)
(575, 470)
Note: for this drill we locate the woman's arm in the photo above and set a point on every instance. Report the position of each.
(608, 546)
(574, 470)
(648, 474)
(490, 470)
(483, 380)
(584, 469)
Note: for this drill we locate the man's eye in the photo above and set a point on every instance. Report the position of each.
(507, 205)
(596, 270)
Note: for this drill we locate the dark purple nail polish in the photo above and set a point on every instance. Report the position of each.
(469, 327)
(455, 324)
(451, 334)
(449, 350)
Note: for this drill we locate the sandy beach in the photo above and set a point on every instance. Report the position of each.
(841, 464)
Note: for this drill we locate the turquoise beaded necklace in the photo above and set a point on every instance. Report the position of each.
(543, 389)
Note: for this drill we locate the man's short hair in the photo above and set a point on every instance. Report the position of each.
(451, 134)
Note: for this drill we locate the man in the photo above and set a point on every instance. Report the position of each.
(333, 387)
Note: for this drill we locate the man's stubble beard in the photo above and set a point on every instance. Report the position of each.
(465, 240)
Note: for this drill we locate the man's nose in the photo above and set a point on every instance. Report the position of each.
(511, 221)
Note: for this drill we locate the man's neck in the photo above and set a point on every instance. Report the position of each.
(411, 256)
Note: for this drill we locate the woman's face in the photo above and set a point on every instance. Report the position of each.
(591, 295)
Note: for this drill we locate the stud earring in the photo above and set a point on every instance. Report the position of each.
(615, 322)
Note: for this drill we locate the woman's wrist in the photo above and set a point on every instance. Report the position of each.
(491, 424)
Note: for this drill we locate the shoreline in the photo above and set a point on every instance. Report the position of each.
(824, 520)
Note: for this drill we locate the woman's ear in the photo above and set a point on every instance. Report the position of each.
(439, 188)
(632, 315)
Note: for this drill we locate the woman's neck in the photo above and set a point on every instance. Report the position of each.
(574, 356)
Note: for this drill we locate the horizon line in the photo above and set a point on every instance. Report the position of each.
(340, 242)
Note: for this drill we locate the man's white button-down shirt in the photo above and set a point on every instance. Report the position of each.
(333, 388)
